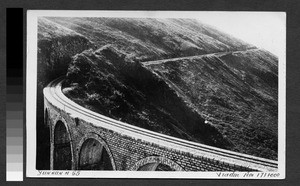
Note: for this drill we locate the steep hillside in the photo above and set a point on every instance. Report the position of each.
(208, 99)
(56, 46)
(235, 92)
(151, 39)
(174, 76)
(104, 81)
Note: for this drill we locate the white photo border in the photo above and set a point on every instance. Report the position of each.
(31, 96)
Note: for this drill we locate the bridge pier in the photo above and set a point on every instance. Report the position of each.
(61, 145)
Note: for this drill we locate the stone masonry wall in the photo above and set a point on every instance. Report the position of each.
(126, 152)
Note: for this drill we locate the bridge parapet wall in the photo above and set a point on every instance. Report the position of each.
(128, 151)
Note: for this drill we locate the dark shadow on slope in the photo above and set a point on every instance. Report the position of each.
(54, 57)
(161, 95)
(127, 91)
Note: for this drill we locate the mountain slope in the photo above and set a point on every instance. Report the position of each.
(174, 76)
(235, 92)
(150, 39)
(104, 81)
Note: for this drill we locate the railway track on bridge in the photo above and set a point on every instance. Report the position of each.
(53, 93)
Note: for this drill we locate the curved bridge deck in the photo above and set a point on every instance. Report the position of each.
(96, 142)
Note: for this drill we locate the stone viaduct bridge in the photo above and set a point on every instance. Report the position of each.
(81, 139)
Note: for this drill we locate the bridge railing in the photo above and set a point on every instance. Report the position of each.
(54, 95)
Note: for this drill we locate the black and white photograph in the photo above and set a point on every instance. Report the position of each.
(123, 94)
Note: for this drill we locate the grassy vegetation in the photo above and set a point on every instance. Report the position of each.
(235, 92)
(102, 58)
(104, 81)
(144, 39)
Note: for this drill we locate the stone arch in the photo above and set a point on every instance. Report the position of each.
(61, 146)
(93, 153)
(156, 163)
